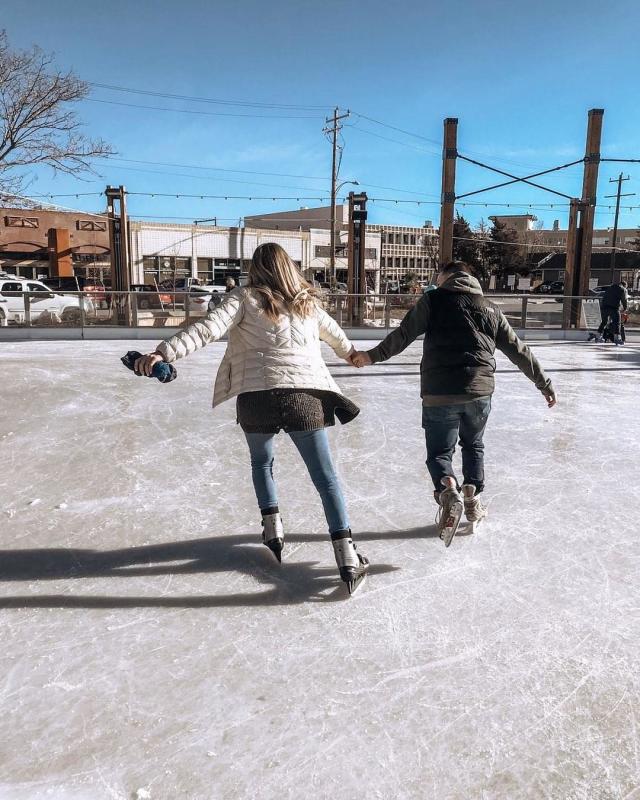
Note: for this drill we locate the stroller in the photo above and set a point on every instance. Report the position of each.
(607, 333)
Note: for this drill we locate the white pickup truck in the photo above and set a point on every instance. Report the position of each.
(43, 303)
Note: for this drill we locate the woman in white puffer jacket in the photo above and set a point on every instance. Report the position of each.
(273, 365)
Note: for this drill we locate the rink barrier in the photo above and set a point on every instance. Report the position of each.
(148, 316)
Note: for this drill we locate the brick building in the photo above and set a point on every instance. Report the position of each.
(43, 243)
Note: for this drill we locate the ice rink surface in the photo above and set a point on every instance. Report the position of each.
(152, 648)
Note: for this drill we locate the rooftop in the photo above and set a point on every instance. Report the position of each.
(150, 642)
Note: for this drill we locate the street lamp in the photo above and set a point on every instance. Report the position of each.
(332, 241)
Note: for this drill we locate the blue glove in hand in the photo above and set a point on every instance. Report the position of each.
(164, 372)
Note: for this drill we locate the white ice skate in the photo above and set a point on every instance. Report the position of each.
(474, 510)
(450, 511)
(353, 566)
(273, 534)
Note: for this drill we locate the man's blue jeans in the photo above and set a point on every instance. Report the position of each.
(442, 426)
(313, 446)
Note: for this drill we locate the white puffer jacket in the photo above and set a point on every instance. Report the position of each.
(262, 354)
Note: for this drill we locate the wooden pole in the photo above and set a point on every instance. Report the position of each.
(589, 191)
(449, 155)
(570, 265)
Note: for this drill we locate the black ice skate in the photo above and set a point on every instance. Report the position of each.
(273, 534)
(353, 566)
(450, 511)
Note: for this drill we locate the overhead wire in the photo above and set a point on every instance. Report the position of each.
(217, 101)
(212, 178)
(218, 169)
(199, 113)
(392, 200)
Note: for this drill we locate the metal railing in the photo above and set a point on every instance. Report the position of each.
(179, 309)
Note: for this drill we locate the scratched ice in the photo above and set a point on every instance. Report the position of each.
(151, 647)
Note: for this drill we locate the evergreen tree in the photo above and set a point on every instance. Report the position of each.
(465, 246)
(504, 254)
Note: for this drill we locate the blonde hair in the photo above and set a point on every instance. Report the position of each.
(281, 286)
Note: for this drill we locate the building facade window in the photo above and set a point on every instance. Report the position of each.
(226, 268)
(90, 225)
(21, 222)
(165, 268)
(205, 270)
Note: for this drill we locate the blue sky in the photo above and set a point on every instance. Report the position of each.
(520, 78)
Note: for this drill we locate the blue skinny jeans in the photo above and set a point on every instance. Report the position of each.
(313, 446)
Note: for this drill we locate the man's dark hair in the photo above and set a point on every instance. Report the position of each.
(623, 283)
(455, 266)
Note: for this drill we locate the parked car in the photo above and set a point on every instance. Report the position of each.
(184, 284)
(542, 288)
(150, 298)
(43, 303)
(196, 290)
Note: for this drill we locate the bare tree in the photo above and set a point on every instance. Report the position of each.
(37, 126)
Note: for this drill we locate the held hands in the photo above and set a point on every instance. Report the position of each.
(145, 364)
(550, 397)
(359, 359)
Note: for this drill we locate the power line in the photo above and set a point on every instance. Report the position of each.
(389, 139)
(432, 141)
(400, 130)
(199, 113)
(393, 200)
(102, 215)
(219, 169)
(211, 178)
(217, 101)
(533, 244)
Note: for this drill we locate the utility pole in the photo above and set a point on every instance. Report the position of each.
(614, 239)
(448, 199)
(334, 127)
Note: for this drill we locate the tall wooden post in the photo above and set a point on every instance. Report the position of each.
(571, 271)
(589, 191)
(119, 244)
(448, 198)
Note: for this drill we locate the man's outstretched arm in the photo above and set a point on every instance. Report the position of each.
(413, 325)
(519, 354)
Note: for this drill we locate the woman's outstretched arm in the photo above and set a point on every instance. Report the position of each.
(208, 329)
(333, 335)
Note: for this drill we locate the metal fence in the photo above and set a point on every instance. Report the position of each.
(178, 309)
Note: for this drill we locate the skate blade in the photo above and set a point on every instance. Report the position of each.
(276, 546)
(450, 529)
(473, 526)
(355, 584)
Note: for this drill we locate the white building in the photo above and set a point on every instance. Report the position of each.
(161, 251)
